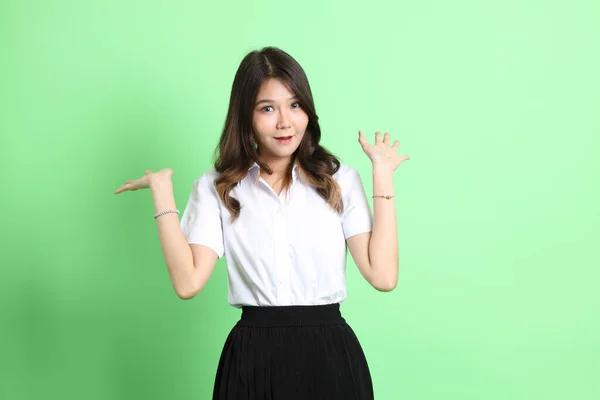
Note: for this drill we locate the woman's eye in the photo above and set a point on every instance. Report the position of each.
(295, 105)
(265, 108)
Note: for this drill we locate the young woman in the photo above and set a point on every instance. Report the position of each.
(282, 210)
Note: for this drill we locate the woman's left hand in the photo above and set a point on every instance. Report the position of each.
(381, 153)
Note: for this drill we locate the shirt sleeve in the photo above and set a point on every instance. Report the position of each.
(201, 220)
(356, 217)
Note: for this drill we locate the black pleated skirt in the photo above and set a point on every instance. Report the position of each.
(292, 353)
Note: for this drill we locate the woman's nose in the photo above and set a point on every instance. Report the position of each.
(283, 121)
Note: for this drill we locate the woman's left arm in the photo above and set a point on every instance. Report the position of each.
(376, 253)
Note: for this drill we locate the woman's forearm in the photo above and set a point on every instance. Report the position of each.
(176, 251)
(383, 248)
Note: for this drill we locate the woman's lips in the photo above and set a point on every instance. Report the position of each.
(284, 139)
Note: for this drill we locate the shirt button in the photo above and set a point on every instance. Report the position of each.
(281, 281)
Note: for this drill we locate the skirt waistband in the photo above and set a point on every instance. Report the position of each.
(303, 315)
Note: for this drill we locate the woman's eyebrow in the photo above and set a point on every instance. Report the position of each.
(273, 101)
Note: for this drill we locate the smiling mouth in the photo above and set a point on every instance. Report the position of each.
(284, 139)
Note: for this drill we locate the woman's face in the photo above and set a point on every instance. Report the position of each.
(278, 121)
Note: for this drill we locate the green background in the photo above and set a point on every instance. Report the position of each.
(497, 103)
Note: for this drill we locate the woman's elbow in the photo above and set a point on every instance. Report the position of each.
(385, 283)
(387, 286)
(186, 294)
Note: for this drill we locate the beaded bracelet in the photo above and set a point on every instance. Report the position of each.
(384, 197)
(158, 214)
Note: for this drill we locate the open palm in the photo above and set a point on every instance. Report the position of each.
(381, 153)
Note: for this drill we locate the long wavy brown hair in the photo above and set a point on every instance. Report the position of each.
(236, 152)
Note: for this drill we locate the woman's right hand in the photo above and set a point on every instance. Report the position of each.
(150, 178)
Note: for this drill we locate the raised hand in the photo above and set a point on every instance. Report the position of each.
(146, 181)
(381, 153)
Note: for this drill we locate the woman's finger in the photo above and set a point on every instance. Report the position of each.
(378, 138)
(123, 187)
(361, 138)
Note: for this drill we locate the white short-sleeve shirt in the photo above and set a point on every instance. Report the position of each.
(283, 250)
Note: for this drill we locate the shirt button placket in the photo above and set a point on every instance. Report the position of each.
(281, 257)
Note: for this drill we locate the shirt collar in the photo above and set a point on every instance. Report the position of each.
(254, 173)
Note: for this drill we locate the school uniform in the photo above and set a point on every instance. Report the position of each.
(286, 259)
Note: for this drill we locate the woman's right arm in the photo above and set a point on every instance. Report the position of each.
(189, 265)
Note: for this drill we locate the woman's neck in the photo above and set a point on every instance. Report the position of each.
(278, 167)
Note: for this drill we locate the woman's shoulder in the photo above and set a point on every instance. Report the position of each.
(210, 173)
(206, 178)
(344, 172)
(207, 174)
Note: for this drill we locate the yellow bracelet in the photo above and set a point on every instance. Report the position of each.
(385, 197)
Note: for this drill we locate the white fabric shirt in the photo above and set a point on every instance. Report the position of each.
(283, 250)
